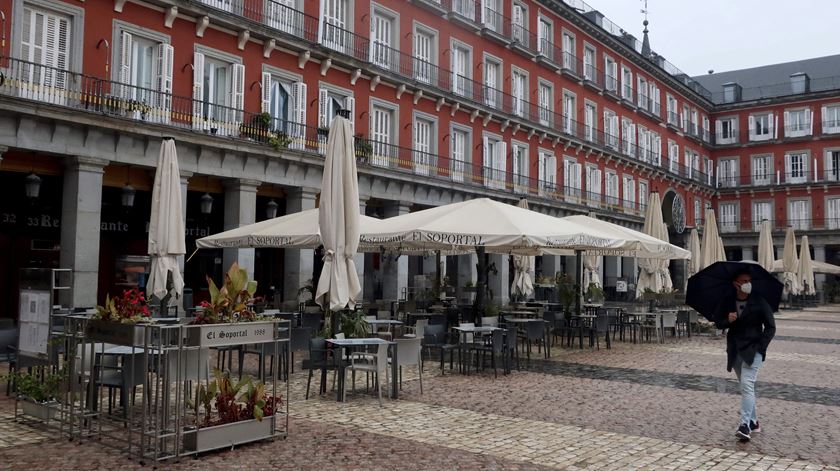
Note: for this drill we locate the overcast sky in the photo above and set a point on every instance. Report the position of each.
(723, 35)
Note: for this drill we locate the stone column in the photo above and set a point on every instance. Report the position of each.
(499, 283)
(185, 178)
(629, 273)
(81, 214)
(395, 272)
(240, 209)
(819, 256)
(466, 273)
(298, 263)
(611, 271)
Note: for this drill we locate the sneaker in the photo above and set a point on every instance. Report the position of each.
(743, 432)
(754, 427)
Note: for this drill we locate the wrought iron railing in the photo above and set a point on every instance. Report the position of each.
(730, 226)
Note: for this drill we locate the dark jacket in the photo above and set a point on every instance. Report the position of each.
(750, 333)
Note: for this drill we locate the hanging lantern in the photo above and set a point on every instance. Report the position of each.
(206, 204)
(271, 209)
(33, 186)
(128, 193)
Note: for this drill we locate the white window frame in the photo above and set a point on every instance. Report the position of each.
(611, 79)
(425, 70)
(380, 49)
(572, 184)
(830, 118)
(611, 187)
(626, 83)
(757, 178)
(494, 161)
(758, 217)
(519, 91)
(545, 35)
(628, 191)
(383, 155)
(594, 184)
(727, 172)
(797, 166)
(611, 129)
(832, 212)
(460, 168)
(590, 120)
(673, 156)
(724, 135)
(798, 122)
(520, 163)
(569, 41)
(768, 131)
(728, 216)
(643, 195)
(547, 177)
(493, 90)
(795, 217)
(545, 102)
(831, 165)
(569, 119)
(673, 110)
(423, 160)
(461, 84)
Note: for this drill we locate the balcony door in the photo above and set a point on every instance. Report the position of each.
(45, 42)
(282, 15)
(334, 32)
(381, 38)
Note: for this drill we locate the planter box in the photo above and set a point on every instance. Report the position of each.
(227, 435)
(130, 335)
(219, 335)
(39, 410)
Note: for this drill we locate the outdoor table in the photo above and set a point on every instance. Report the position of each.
(658, 322)
(520, 313)
(526, 320)
(343, 344)
(463, 342)
(389, 322)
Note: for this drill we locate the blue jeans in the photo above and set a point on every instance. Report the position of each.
(746, 377)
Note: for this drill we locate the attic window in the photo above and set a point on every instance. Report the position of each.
(799, 83)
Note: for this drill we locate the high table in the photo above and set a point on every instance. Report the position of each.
(349, 343)
(462, 345)
(389, 322)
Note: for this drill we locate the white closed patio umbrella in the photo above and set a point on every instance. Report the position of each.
(711, 249)
(805, 269)
(651, 270)
(522, 283)
(166, 225)
(664, 268)
(338, 220)
(790, 263)
(694, 264)
(766, 257)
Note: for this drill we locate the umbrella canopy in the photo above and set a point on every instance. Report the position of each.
(166, 224)
(338, 219)
(504, 228)
(819, 267)
(645, 247)
(711, 250)
(766, 257)
(296, 230)
(710, 285)
(694, 265)
(522, 264)
(805, 270)
(790, 263)
(650, 270)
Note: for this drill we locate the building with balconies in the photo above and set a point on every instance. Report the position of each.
(449, 99)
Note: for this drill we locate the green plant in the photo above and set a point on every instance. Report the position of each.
(566, 291)
(234, 401)
(230, 302)
(130, 308)
(469, 284)
(279, 140)
(594, 293)
(39, 385)
(363, 146)
(544, 280)
(354, 325)
(492, 310)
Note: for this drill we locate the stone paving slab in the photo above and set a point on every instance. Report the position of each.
(529, 441)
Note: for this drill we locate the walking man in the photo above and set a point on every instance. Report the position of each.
(749, 319)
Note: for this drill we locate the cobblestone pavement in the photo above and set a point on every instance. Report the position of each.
(643, 406)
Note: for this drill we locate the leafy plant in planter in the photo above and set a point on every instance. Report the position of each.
(279, 140)
(364, 149)
(130, 308)
(245, 399)
(40, 385)
(594, 293)
(354, 325)
(566, 291)
(230, 302)
(258, 128)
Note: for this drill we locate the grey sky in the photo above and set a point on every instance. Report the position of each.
(723, 35)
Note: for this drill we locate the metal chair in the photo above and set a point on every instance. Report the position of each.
(320, 358)
(495, 347)
(435, 337)
(409, 353)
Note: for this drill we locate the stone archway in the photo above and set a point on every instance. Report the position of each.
(673, 213)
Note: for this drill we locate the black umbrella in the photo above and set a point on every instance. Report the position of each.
(707, 287)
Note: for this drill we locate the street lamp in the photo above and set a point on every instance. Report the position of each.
(206, 204)
(33, 186)
(128, 193)
(271, 209)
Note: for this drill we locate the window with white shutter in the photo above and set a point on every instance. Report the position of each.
(626, 84)
(519, 23)
(492, 71)
(569, 52)
(143, 70)
(282, 15)
(500, 154)
(547, 173)
(611, 71)
(589, 71)
(545, 100)
(382, 31)
(642, 97)
(460, 70)
(832, 165)
(569, 113)
(333, 24)
(832, 213)
(572, 176)
(728, 173)
(762, 211)
(45, 42)
(423, 142)
(611, 188)
(218, 94)
(728, 215)
(799, 215)
(673, 156)
(629, 195)
(494, 162)
(830, 119)
(796, 168)
(519, 89)
(519, 166)
(424, 55)
(593, 184)
(545, 37)
(589, 121)
(762, 170)
(797, 122)
(226, 5)
(459, 157)
(643, 195)
(381, 134)
(626, 142)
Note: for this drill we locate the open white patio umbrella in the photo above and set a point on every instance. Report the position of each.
(819, 267)
(522, 284)
(790, 263)
(166, 225)
(650, 270)
(766, 257)
(339, 220)
(805, 269)
(711, 249)
(504, 228)
(296, 230)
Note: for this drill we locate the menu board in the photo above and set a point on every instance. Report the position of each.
(34, 322)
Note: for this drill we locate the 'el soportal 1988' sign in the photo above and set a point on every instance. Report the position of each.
(216, 335)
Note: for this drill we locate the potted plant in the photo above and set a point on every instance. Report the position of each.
(38, 391)
(138, 109)
(233, 413)
(354, 325)
(121, 320)
(228, 318)
(364, 149)
(594, 294)
(469, 287)
(567, 292)
(258, 127)
(323, 131)
(279, 140)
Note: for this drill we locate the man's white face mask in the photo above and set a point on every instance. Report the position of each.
(746, 288)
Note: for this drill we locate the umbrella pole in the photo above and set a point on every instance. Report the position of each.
(437, 272)
(579, 280)
(481, 282)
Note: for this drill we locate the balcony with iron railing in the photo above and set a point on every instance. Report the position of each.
(734, 182)
(496, 26)
(100, 97)
(741, 226)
